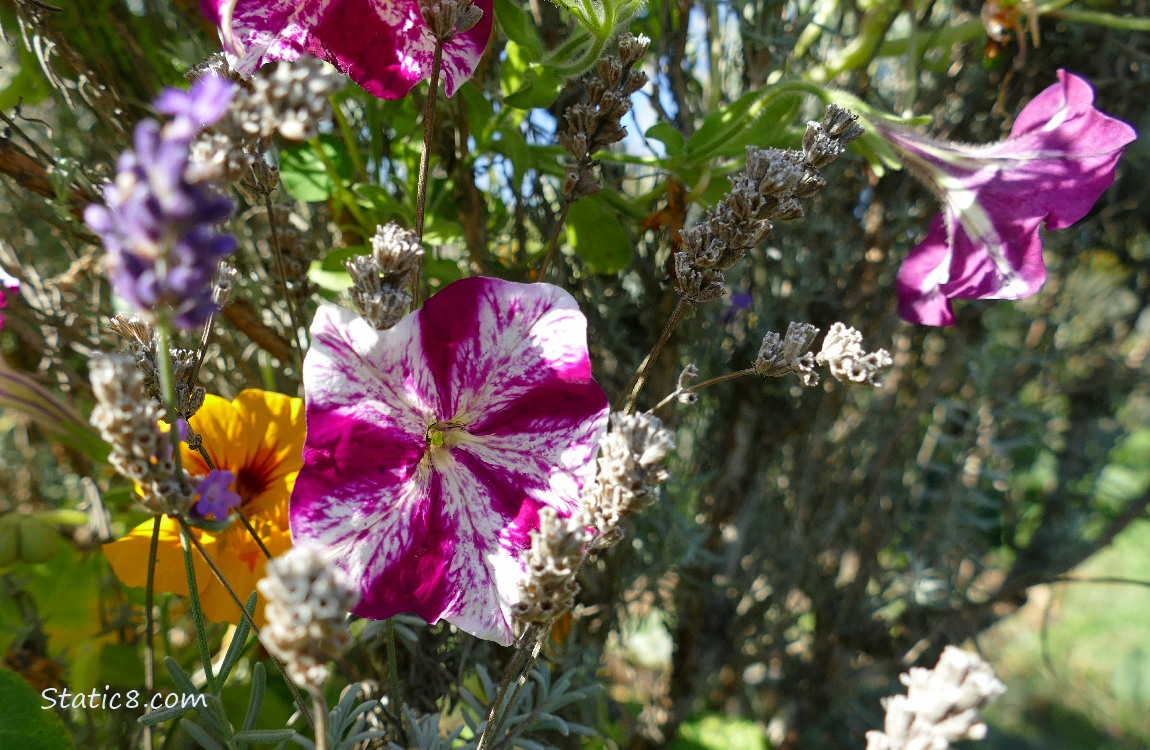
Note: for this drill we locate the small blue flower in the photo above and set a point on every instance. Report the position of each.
(216, 496)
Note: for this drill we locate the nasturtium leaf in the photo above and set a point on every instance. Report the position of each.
(597, 237)
(305, 172)
(519, 27)
(23, 721)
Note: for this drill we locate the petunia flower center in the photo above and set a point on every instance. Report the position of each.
(443, 435)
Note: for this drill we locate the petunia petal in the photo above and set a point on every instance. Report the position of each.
(432, 445)
(382, 45)
(1060, 158)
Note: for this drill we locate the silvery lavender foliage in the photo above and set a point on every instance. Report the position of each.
(631, 469)
(942, 705)
(129, 422)
(158, 222)
(772, 186)
(307, 605)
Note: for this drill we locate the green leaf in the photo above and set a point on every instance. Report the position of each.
(597, 237)
(519, 27)
(755, 117)
(304, 168)
(24, 723)
(479, 113)
(526, 85)
(669, 136)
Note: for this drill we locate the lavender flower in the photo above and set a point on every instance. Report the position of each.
(157, 224)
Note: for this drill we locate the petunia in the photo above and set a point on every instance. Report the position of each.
(258, 438)
(432, 446)
(1059, 159)
(8, 285)
(383, 45)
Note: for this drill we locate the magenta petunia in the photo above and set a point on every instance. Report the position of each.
(383, 45)
(431, 447)
(1059, 159)
(8, 285)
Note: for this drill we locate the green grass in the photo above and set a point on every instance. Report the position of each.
(1076, 659)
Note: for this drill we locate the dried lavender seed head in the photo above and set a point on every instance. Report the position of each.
(307, 604)
(224, 284)
(631, 457)
(632, 48)
(548, 588)
(841, 124)
(129, 421)
(843, 354)
(396, 250)
(780, 355)
(942, 705)
(820, 148)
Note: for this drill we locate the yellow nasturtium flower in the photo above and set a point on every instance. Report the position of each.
(259, 438)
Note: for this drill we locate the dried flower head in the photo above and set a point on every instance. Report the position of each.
(780, 355)
(381, 281)
(942, 705)
(307, 605)
(129, 421)
(594, 124)
(631, 469)
(769, 188)
(548, 588)
(842, 352)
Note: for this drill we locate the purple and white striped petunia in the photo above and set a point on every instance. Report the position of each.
(383, 45)
(432, 446)
(1059, 159)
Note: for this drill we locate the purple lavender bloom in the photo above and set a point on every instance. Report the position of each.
(216, 495)
(432, 446)
(1059, 159)
(158, 223)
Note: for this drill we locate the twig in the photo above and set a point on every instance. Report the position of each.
(636, 385)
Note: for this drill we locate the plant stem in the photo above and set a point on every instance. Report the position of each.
(196, 609)
(299, 701)
(700, 386)
(425, 161)
(149, 625)
(168, 388)
(319, 709)
(300, 344)
(553, 245)
(393, 670)
(524, 659)
(636, 385)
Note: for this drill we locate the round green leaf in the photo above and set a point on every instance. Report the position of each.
(597, 237)
(24, 722)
